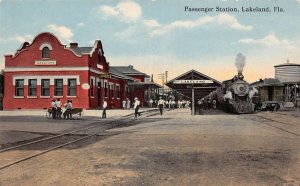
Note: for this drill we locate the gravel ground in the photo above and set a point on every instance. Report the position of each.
(175, 149)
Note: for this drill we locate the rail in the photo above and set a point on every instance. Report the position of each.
(107, 125)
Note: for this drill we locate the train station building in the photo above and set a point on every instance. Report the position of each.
(193, 84)
(46, 69)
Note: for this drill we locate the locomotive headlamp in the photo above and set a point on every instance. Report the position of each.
(240, 88)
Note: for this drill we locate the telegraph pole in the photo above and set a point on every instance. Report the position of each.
(166, 74)
(162, 77)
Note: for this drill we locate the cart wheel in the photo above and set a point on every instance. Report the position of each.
(48, 115)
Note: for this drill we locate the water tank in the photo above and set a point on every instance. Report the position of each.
(288, 73)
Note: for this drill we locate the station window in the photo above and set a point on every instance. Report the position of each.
(117, 91)
(32, 87)
(99, 84)
(45, 87)
(105, 89)
(111, 90)
(45, 52)
(127, 91)
(92, 87)
(58, 87)
(19, 87)
(72, 87)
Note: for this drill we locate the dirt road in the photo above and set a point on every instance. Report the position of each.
(175, 149)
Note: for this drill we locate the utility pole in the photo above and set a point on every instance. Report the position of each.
(166, 74)
(162, 77)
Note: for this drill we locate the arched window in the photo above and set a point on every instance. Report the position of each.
(45, 52)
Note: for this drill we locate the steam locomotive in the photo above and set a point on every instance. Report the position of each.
(233, 95)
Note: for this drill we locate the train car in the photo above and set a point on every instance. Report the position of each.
(233, 96)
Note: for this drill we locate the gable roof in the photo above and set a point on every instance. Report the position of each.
(198, 73)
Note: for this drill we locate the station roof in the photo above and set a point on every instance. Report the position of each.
(144, 84)
(202, 84)
(129, 70)
(267, 82)
(81, 50)
(115, 72)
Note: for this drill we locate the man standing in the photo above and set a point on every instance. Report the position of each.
(53, 107)
(136, 107)
(68, 107)
(128, 103)
(151, 103)
(104, 108)
(173, 104)
(161, 105)
(58, 108)
(124, 104)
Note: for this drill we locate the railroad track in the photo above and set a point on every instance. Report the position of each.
(265, 120)
(73, 136)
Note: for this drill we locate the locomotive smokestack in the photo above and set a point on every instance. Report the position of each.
(240, 61)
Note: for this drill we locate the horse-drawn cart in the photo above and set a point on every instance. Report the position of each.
(75, 113)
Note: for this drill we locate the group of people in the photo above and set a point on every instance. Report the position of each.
(205, 104)
(56, 108)
(126, 105)
(171, 104)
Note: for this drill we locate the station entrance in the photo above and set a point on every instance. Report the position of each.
(193, 85)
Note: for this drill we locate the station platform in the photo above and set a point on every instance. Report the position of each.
(86, 113)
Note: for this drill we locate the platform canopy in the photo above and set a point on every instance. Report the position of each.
(201, 83)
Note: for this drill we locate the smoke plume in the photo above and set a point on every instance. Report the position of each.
(240, 61)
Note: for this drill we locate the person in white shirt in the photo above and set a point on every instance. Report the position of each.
(124, 104)
(68, 107)
(161, 103)
(58, 108)
(151, 103)
(136, 107)
(179, 103)
(53, 107)
(128, 103)
(104, 108)
(173, 104)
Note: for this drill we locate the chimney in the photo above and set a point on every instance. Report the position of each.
(73, 45)
(8, 56)
(130, 66)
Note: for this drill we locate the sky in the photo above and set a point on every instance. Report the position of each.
(159, 35)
